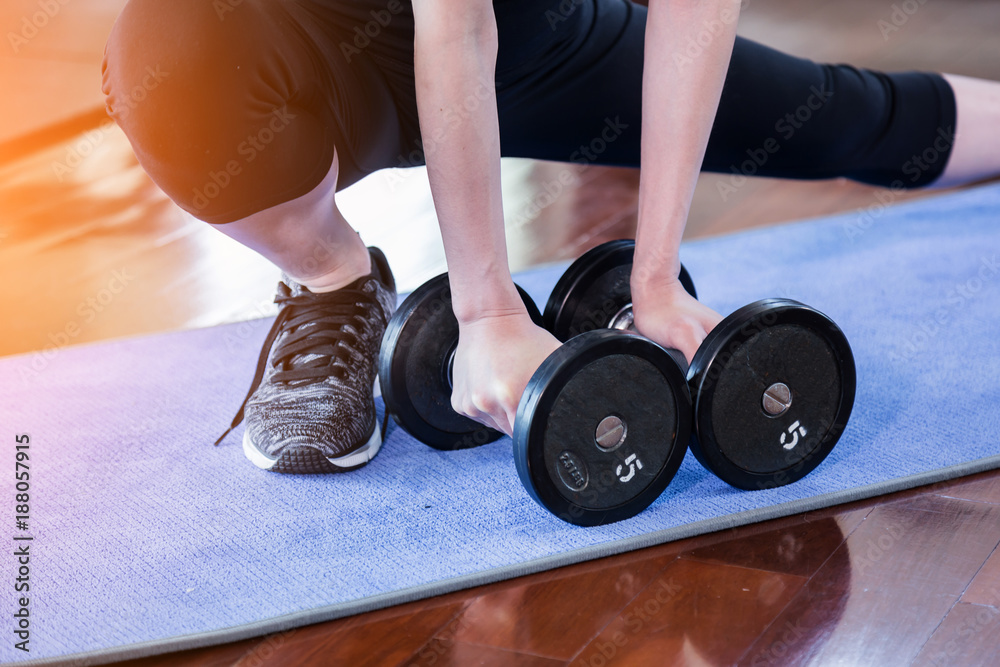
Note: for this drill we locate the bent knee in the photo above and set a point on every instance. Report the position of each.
(201, 89)
(168, 66)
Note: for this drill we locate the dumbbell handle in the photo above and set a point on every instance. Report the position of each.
(449, 372)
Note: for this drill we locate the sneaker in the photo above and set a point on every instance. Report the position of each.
(311, 407)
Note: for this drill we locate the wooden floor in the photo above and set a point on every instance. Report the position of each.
(912, 578)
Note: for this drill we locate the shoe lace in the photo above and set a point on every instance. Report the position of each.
(318, 345)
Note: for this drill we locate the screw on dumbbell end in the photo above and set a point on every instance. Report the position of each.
(777, 399)
(611, 432)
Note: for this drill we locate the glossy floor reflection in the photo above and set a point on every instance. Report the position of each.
(92, 250)
(875, 582)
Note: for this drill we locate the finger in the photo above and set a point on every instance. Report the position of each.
(470, 411)
(711, 320)
(497, 419)
(689, 352)
(509, 423)
(687, 340)
(493, 418)
(485, 419)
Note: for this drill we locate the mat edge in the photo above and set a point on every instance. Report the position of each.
(374, 603)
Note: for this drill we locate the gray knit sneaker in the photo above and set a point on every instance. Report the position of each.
(311, 407)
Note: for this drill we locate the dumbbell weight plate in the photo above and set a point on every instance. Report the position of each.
(594, 289)
(602, 427)
(414, 369)
(773, 386)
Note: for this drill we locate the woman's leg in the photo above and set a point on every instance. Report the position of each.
(235, 130)
(976, 153)
(307, 238)
(232, 125)
(779, 115)
(231, 132)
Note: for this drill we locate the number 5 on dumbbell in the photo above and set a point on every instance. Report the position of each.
(601, 428)
(772, 385)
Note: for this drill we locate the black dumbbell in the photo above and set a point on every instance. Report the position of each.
(418, 350)
(772, 385)
(594, 292)
(601, 428)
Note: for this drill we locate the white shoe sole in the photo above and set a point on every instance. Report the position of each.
(355, 459)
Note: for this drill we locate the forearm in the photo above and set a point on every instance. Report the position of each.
(680, 96)
(455, 58)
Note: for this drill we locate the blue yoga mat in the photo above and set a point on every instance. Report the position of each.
(147, 539)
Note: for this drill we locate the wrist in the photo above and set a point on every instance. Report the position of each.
(658, 289)
(652, 274)
(476, 300)
(656, 263)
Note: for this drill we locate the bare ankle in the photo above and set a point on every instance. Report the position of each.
(975, 154)
(334, 275)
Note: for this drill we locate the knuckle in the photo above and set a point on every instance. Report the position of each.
(483, 401)
(507, 396)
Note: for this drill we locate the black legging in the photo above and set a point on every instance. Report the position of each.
(234, 106)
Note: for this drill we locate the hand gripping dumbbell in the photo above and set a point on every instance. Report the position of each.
(772, 385)
(600, 430)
